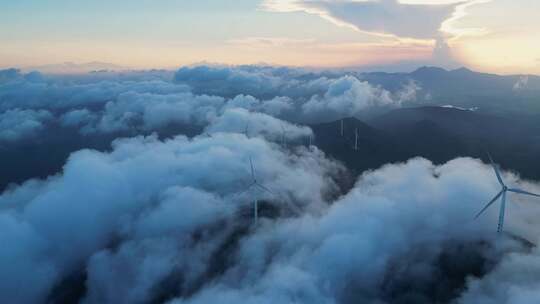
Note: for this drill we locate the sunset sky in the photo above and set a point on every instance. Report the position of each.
(501, 36)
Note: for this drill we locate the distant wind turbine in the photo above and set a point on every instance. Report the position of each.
(283, 135)
(356, 139)
(246, 130)
(257, 185)
(502, 195)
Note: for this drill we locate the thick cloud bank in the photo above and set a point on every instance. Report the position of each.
(156, 201)
(19, 124)
(404, 234)
(259, 124)
(158, 221)
(43, 118)
(150, 101)
(295, 94)
(162, 211)
(348, 96)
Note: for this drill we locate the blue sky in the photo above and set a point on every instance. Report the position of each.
(491, 35)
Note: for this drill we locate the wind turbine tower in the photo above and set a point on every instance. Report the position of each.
(356, 139)
(283, 135)
(246, 130)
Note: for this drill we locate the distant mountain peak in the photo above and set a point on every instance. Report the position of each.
(463, 70)
(429, 70)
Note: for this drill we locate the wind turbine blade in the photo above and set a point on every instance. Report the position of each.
(295, 209)
(247, 188)
(496, 169)
(488, 204)
(252, 170)
(490, 159)
(515, 190)
(264, 188)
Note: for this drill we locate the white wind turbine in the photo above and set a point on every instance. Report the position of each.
(356, 139)
(283, 135)
(502, 195)
(257, 185)
(246, 130)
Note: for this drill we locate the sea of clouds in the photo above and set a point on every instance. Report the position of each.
(192, 96)
(163, 214)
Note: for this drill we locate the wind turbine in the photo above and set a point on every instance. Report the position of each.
(502, 195)
(246, 130)
(356, 139)
(283, 135)
(257, 185)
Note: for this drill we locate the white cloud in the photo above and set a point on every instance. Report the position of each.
(410, 22)
(76, 118)
(276, 106)
(152, 111)
(151, 197)
(386, 241)
(19, 124)
(514, 281)
(347, 97)
(66, 94)
(143, 104)
(239, 120)
(420, 21)
(150, 212)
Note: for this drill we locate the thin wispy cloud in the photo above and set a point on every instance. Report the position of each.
(416, 20)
